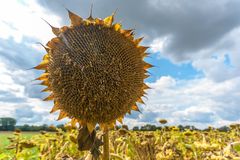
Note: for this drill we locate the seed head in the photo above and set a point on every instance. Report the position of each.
(94, 70)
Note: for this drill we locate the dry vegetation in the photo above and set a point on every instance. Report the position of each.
(168, 143)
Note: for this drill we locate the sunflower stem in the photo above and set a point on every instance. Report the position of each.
(106, 146)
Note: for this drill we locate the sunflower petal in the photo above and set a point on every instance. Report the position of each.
(117, 26)
(55, 108)
(51, 44)
(46, 90)
(43, 76)
(147, 66)
(99, 21)
(43, 65)
(112, 125)
(82, 123)
(91, 127)
(46, 48)
(137, 41)
(90, 18)
(144, 54)
(102, 126)
(64, 28)
(46, 57)
(75, 19)
(127, 33)
(55, 30)
(120, 119)
(142, 48)
(109, 20)
(62, 115)
(146, 76)
(45, 83)
(140, 100)
(145, 86)
(74, 121)
(49, 98)
(129, 112)
(135, 108)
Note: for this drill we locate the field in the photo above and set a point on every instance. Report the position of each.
(4, 138)
(168, 143)
(5, 142)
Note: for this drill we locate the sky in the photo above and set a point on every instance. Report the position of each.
(194, 46)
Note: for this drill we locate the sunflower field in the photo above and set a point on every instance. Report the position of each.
(168, 143)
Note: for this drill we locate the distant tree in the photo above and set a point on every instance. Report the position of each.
(136, 128)
(148, 127)
(34, 128)
(187, 127)
(25, 127)
(7, 124)
(44, 127)
(158, 128)
(224, 129)
(61, 126)
(181, 128)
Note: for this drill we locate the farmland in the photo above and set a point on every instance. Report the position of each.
(168, 143)
(5, 142)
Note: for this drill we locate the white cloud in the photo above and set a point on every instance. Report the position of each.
(164, 83)
(218, 62)
(221, 62)
(195, 114)
(23, 18)
(7, 82)
(158, 44)
(16, 102)
(21, 21)
(199, 102)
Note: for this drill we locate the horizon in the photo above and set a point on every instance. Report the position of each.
(159, 125)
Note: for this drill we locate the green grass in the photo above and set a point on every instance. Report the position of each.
(4, 142)
(23, 153)
(6, 154)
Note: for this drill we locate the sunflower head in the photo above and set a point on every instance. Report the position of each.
(94, 70)
(163, 121)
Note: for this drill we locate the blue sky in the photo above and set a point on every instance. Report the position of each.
(164, 67)
(194, 48)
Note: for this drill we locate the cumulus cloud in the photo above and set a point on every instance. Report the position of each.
(29, 114)
(25, 114)
(195, 114)
(164, 83)
(223, 58)
(199, 102)
(184, 27)
(24, 20)
(149, 117)
(182, 31)
(19, 97)
(15, 100)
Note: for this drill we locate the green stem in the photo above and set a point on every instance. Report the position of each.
(106, 146)
(17, 146)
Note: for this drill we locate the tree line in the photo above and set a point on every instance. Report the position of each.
(9, 124)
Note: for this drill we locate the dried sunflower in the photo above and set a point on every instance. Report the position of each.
(95, 71)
